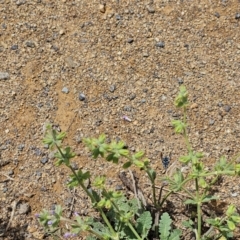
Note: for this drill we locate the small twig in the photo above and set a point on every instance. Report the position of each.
(12, 179)
(72, 121)
(134, 188)
(156, 222)
(14, 205)
(72, 203)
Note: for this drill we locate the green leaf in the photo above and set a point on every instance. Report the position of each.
(152, 174)
(231, 225)
(213, 221)
(175, 235)
(185, 159)
(179, 126)
(182, 98)
(190, 201)
(138, 155)
(138, 163)
(165, 226)
(58, 210)
(95, 153)
(99, 182)
(188, 224)
(202, 183)
(60, 136)
(127, 165)
(231, 209)
(123, 152)
(235, 218)
(144, 223)
(102, 138)
(209, 198)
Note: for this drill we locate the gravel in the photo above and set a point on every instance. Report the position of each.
(65, 90)
(82, 97)
(4, 76)
(122, 58)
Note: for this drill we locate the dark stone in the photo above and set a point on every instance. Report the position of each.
(130, 40)
(118, 17)
(132, 96)
(128, 108)
(160, 44)
(237, 16)
(44, 160)
(30, 44)
(112, 88)
(180, 81)
(82, 97)
(21, 147)
(14, 47)
(227, 108)
(150, 9)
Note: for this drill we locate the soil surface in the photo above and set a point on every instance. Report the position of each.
(84, 64)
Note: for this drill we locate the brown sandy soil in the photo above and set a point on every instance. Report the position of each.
(128, 59)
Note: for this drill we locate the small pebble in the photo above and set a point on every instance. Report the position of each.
(118, 17)
(11, 172)
(65, 90)
(4, 26)
(20, 2)
(194, 105)
(234, 194)
(150, 9)
(217, 15)
(24, 208)
(220, 104)
(145, 54)
(227, 108)
(82, 97)
(160, 44)
(237, 16)
(74, 166)
(127, 108)
(119, 187)
(44, 160)
(21, 147)
(14, 47)
(180, 81)
(143, 100)
(102, 8)
(211, 122)
(112, 88)
(130, 40)
(78, 139)
(38, 152)
(132, 96)
(4, 76)
(30, 44)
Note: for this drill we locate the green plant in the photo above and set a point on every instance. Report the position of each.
(202, 180)
(123, 218)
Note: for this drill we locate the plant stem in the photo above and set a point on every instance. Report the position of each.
(199, 221)
(189, 148)
(134, 231)
(93, 200)
(153, 188)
